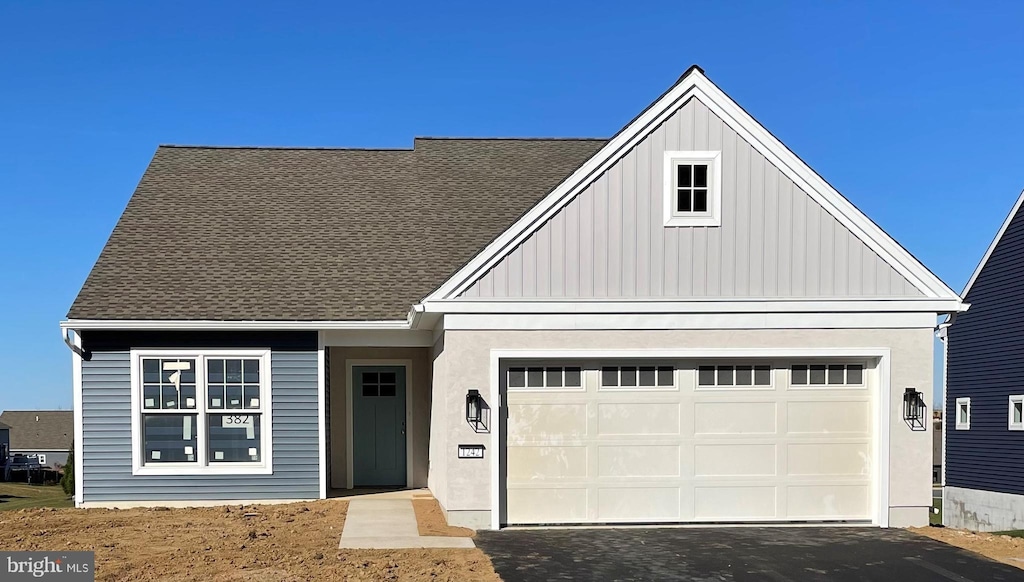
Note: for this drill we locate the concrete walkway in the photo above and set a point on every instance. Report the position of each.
(389, 524)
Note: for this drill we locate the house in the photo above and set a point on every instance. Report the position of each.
(937, 447)
(5, 442)
(45, 434)
(984, 467)
(681, 323)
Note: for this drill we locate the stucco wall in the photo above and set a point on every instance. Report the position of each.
(467, 360)
(419, 383)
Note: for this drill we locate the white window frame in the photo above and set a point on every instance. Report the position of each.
(963, 401)
(41, 459)
(1015, 399)
(713, 216)
(202, 466)
(716, 386)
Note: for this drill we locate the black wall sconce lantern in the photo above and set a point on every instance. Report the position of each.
(477, 411)
(474, 407)
(914, 408)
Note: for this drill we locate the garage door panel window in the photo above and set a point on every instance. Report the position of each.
(637, 377)
(545, 378)
(739, 376)
(827, 375)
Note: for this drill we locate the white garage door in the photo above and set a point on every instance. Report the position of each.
(688, 442)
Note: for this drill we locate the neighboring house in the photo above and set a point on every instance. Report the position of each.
(984, 464)
(5, 442)
(937, 446)
(46, 434)
(683, 323)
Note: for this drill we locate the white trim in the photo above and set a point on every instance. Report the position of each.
(962, 401)
(169, 324)
(420, 338)
(882, 400)
(713, 216)
(535, 322)
(321, 403)
(349, 437)
(202, 466)
(76, 389)
(695, 85)
(722, 305)
(992, 246)
(1015, 399)
(883, 411)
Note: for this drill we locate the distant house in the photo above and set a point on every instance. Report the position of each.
(937, 447)
(47, 434)
(5, 442)
(984, 395)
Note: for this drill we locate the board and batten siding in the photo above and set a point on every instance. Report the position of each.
(986, 363)
(610, 241)
(106, 457)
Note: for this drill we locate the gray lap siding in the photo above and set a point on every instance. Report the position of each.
(106, 457)
(986, 363)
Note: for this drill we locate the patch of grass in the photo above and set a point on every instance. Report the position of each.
(23, 496)
(1013, 533)
(936, 518)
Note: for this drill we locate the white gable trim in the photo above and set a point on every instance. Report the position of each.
(695, 85)
(992, 247)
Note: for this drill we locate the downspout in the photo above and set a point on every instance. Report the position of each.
(942, 332)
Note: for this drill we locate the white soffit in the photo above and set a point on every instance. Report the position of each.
(695, 85)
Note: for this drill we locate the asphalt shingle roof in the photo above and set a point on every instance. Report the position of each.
(314, 234)
(40, 430)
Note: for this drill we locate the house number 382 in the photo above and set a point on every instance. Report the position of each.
(230, 420)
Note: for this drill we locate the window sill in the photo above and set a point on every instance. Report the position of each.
(192, 470)
(694, 221)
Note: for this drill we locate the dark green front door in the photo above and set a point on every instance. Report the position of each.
(378, 426)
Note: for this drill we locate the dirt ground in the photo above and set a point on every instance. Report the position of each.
(292, 542)
(1006, 549)
(431, 522)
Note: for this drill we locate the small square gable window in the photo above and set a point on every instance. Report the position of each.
(693, 184)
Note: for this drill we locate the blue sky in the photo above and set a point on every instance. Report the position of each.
(914, 110)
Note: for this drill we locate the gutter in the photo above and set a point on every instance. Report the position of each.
(187, 324)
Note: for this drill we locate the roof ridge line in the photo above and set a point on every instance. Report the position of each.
(271, 147)
(456, 138)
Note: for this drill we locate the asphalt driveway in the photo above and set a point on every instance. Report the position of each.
(733, 554)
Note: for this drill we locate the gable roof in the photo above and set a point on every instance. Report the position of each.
(992, 246)
(41, 430)
(302, 234)
(694, 85)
